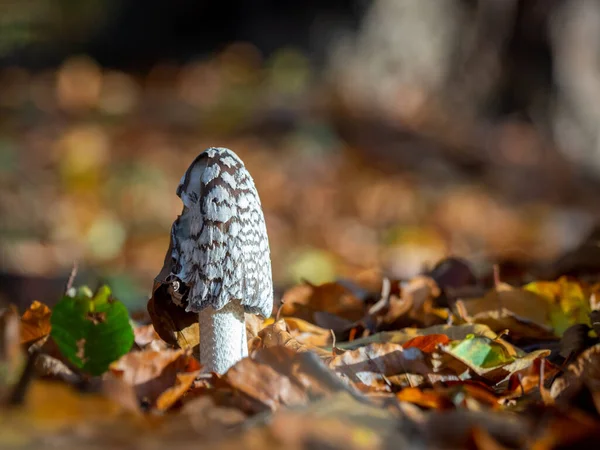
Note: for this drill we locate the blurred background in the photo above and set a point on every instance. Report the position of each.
(382, 134)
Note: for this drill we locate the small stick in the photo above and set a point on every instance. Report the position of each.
(72, 276)
(333, 342)
(496, 270)
(278, 315)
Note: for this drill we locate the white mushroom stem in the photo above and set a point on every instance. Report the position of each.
(222, 337)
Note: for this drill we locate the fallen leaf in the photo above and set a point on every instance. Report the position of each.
(35, 323)
(454, 333)
(172, 323)
(277, 334)
(428, 343)
(307, 333)
(584, 371)
(87, 341)
(522, 312)
(494, 360)
(520, 328)
(170, 396)
(329, 297)
(149, 373)
(372, 364)
(278, 376)
(567, 302)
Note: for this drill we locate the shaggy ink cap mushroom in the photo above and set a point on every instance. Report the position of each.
(220, 261)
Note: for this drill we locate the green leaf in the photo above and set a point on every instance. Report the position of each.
(481, 352)
(91, 331)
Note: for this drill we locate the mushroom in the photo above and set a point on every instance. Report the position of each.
(218, 263)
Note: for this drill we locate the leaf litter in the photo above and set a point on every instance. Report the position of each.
(431, 362)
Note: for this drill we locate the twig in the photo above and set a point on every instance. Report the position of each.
(333, 342)
(72, 276)
(278, 315)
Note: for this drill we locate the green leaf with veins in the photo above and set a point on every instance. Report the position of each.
(91, 331)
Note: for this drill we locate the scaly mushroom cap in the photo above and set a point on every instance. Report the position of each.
(219, 246)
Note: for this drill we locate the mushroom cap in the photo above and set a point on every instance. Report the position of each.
(219, 246)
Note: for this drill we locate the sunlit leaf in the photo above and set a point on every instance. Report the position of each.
(35, 322)
(568, 301)
(91, 331)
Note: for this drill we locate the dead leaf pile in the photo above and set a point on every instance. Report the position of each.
(431, 361)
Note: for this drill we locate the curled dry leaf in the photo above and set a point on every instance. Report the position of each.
(529, 379)
(147, 374)
(35, 323)
(279, 376)
(175, 326)
(307, 333)
(278, 334)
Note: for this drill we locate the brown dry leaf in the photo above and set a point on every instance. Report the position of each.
(35, 323)
(502, 319)
(175, 326)
(414, 304)
(305, 299)
(373, 364)
(279, 376)
(527, 380)
(277, 334)
(419, 291)
(148, 374)
(254, 324)
(584, 372)
(527, 314)
(170, 396)
(307, 333)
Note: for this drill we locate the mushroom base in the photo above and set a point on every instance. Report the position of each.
(223, 339)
